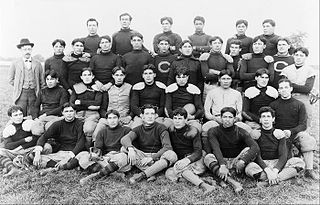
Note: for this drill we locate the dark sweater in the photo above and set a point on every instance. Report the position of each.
(200, 42)
(149, 139)
(229, 142)
(17, 139)
(246, 44)
(91, 44)
(148, 94)
(280, 62)
(69, 135)
(290, 115)
(50, 100)
(56, 63)
(121, 42)
(102, 65)
(108, 139)
(174, 40)
(87, 98)
(271, 45)
(271, 148)
(163, 62)
(184, 145)
(133, 62)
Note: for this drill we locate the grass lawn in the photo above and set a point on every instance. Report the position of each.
(64, 187)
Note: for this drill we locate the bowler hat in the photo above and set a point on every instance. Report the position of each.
(24, 42)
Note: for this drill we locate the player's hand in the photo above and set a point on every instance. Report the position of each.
(132, 158)
(240, 165)
(223, 172)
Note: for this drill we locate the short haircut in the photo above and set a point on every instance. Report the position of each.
(136, 34)
(105, 37)
(225, 72)
(148, 106)
(62, 42)
(302, 49)
(86, 69)
(270, 21)
(14, 108)
(284, 39)
(169, 19)
(52, 73)
(199, 18)
(125, 14)
(266, 109)
(228, 109)
(262, 71)
(149, 67)
(163, 38)
(261, 38)
(66, 105)
(115, 69)
(182, 70)
(242, 21)
(77, 40)
(92, 19)
(215, 38)
(285, 80)
(236, 42)
(112, 111)
(184, 42)
(180, 111)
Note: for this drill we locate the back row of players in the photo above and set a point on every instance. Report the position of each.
(101, 81)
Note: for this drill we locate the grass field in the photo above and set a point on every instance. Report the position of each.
(63, 186)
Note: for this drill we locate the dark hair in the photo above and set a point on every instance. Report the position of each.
(14, 108)
(182, 70)
(52, 73)
(184, 42)
(284, 39)
(215, 38)
(115, 69)
(225, 72)
(105, 37)
(92, 19)
(134, 34)
(166, 18)
(125, 14)
(180, 111)
(112, 111)
(270, 21)
(228, 109)
(148, 106)
(149, 67)
(67, 104)
(262, 71)
(284, 80)
(236, 42)
(302, 49)
(266, 109)
(199, 18)
(62, 42)
(86, 69)
(261, 38)
(77, 40)
(240, 21)
(163, 38)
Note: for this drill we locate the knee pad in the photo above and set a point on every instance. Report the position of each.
(170, 156)
(306, 142)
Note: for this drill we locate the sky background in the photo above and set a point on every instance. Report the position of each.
(42, 21)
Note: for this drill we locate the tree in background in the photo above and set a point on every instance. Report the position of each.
(297, 39)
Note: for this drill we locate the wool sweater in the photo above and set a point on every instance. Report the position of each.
(87, 97)
(121, 41)
(200, 42)
(56, 63)
(271, 45)
(246, 44)
(163, 63)
(91, 44)
(280, 62)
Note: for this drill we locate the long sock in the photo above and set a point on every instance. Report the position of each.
(111, 167)
(156, 167)
(71, 164)
(287, 173)
(214, 166)
(308, 159)
(6, 162)
(96, 167)
(191, 177)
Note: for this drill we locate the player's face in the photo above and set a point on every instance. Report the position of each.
(148, 76)
(92, 27)
(182, 80)
(225, 81)
(283, 47)
(69, 114)
(299, 58)
(285, 90)
(149, 116)
(262, 80)
(105, 44)
(258, 46)
(268, 29)
(241, 29)
(51, 82)
(266, 120)
(118, 77)
(216, 45)
(235, 49)
(166, 26)
(198, 25)
(87, 77)
(163, 46)
(186, 49)
(227, 119)
(78, 48)
(17, 117)
(136, 43)
(112, 120)
(58, 49)
(125, 21)
(26, 51)
(179, 121)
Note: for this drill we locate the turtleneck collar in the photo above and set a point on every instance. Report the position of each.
(199, 33)
(60, 56)
(105, 52)
(167, 32)
(163, 54)
(228, 129)
(76, 55)
(182, 130)
(257, 55)
(125, 29)
(114, 128)
(149, 127)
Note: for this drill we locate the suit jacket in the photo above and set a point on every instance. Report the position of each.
(16, 76)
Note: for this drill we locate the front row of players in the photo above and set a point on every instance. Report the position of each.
(264, 155)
